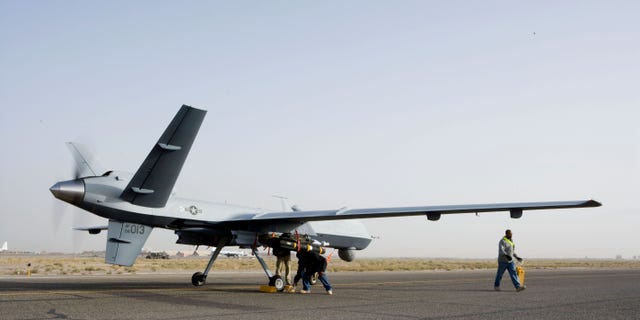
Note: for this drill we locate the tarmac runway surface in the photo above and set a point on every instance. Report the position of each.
(550, 294)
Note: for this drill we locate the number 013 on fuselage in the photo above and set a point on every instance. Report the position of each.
(137, 203)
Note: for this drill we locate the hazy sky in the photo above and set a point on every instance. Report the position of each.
(332, 104)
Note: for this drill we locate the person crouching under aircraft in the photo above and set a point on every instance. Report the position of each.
(314, 262)
(300, 272)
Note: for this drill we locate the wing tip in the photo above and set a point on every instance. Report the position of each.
(190, 107)
(592, 203)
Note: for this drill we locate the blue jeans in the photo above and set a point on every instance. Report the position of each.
(511, 266)
(306, 278)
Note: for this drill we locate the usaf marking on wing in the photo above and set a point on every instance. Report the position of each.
(137, 203)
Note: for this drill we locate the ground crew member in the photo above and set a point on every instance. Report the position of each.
(506, 255)
(314, 263)
(300, 271)
(283, 263)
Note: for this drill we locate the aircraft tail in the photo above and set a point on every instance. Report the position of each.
(5, 247)
(153, 182)
(124, 242)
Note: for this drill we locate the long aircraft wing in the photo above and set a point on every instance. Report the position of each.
(152, 183)
(432, 212)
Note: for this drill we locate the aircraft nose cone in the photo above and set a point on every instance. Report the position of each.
(71, 191)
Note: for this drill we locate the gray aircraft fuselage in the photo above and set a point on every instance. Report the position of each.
(101, 195)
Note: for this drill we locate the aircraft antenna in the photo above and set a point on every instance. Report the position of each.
(283, 201)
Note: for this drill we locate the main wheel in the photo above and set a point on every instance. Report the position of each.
(277, 282)
(198, 279)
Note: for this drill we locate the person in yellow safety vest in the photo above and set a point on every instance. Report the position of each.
(506, 255)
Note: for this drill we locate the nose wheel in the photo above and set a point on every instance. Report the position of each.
(198, 279)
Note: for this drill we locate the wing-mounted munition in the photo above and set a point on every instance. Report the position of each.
(293, 243)
(136, 203)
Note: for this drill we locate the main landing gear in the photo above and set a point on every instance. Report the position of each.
(200, 278)
(274, 280)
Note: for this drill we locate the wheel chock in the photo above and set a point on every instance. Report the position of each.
(268, 289)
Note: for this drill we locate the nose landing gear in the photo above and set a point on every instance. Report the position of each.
(200, 278)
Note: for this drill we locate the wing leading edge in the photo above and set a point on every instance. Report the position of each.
(432, 212)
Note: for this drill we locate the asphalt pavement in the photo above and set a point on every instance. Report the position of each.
(550, 294)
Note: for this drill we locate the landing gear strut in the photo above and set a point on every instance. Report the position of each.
(274, 280)
(200, 278)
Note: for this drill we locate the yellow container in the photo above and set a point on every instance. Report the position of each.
(520, 272)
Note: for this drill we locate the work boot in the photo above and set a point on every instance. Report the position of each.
(521, 288)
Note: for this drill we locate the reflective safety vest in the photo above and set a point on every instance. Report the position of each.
(511, 243)
(506, 250)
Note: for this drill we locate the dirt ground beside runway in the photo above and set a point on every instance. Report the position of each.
(63, 264)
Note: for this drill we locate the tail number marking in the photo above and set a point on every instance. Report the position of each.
(133, 228)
